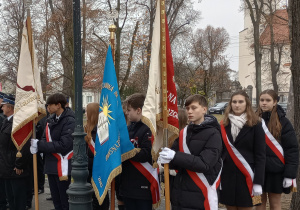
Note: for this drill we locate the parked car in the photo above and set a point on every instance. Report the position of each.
(218, 108)
(283, 106)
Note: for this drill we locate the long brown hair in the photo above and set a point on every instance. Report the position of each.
(274, 124)
(252, 118)
(92, 110)
(182, 118)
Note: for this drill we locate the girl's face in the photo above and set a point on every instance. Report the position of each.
(238, 104)
(266, 103)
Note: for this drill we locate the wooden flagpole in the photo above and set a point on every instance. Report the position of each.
(35, 176)
(163, 65)
(112, 30)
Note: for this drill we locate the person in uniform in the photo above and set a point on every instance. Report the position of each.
(14, 170)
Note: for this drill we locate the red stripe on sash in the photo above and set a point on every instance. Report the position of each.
(235, 159)
(272, 143)
(274, 149)
(154, 185)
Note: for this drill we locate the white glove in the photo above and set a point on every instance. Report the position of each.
(287, 182)
(166, 155)
(34, 146)
(257, 190)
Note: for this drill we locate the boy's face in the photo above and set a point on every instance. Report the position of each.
(53, 108)
(196, 112)
(133, 115)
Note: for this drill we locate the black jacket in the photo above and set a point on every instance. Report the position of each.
(250, 142)
(133, 183)
(205, 144)
(8, 151)
(289, 144)
(62, 140)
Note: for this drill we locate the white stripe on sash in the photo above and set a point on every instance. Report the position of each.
(271, 137)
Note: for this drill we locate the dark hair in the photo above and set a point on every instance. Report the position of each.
(196, 98)
(274, 124)
(91, 120)
(136, 100)
(252, 118)
(57, 98)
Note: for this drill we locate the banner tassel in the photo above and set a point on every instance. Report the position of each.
(18, 155)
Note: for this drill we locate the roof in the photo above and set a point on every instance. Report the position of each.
(280, 29)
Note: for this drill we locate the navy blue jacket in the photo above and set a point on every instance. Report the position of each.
(289, 143)
(205, 144)
(133, 183)
(62, 140)
(8, 151)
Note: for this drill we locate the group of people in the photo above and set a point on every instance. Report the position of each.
(241, 162)
(53, 141)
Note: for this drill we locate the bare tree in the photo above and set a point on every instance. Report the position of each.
(12, 15)
(295, 68)
(255, 9)
(208, 48)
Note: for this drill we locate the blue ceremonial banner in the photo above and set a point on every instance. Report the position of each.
(112, 144)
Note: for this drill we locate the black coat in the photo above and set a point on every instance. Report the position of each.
(62, 140)
(275, 169)
(250, 142)
(8, 151)
(133, 183)
(205, 144)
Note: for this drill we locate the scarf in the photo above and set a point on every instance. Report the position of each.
(237, 123)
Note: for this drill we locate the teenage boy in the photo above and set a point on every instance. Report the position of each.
(135, 187)
(13, 170)
(196, 154)
(57, 147)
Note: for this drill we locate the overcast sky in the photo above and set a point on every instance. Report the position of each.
(224, 13)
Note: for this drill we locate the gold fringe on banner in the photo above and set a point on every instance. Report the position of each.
(112, 175)
(130, 154)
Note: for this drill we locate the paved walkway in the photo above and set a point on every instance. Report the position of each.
(48, 205)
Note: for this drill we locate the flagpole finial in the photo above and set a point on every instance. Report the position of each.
(112, 29)
(28, 3)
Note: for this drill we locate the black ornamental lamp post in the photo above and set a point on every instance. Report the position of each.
(80, 192)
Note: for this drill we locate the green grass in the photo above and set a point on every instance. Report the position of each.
(218, 116)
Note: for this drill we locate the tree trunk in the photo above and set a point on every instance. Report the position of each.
(295, 69)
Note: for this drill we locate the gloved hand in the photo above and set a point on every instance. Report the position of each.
(257, 190)
(34, 146)
(166, 155)
(287, 182)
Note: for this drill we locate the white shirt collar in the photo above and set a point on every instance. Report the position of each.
(8, 118)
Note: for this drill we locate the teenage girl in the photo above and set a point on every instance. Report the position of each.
(282, 150)
(92, 112)
(244, 147)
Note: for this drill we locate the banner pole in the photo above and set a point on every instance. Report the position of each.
(35, 175)
(164, 95)
(112, 30)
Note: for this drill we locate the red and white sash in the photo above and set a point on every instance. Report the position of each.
(275, 147)
(62, 161)
(151, 175)
(209, 191)
(92, 146)
(238, 160)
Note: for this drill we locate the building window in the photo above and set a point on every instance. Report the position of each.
(89, 99)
